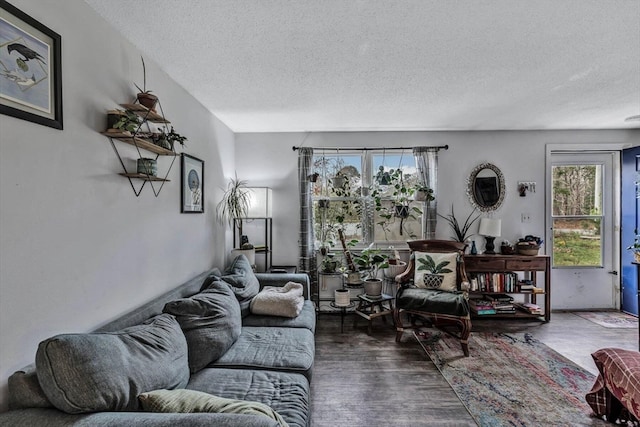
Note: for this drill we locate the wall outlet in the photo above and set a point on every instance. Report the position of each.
(525, 217)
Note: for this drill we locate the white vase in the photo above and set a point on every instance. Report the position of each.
(342, 297)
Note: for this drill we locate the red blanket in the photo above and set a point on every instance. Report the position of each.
(619, 378)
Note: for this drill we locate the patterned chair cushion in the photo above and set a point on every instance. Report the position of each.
(432, 301)
(436, 270)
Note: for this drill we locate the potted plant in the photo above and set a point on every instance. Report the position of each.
(371, 261)
(129, 122)
(423, 193)
(145, 97)
(635, 247)
(234, 203)
(461, 232)
(168, 139)
(399, 205)
(435, 272)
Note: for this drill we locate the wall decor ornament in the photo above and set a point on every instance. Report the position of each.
(192, 184)
(30, 68)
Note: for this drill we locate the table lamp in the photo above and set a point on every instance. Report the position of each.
(490, 229)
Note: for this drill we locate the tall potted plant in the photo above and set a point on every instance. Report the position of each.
(461, 231)
(399, 207)
(235, 204)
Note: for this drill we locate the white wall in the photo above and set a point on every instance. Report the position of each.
(77, 248)
(267, 159)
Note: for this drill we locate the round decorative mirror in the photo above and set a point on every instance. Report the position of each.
(485, 187)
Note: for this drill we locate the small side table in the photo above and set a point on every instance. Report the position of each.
(367, 308)
(343, 311)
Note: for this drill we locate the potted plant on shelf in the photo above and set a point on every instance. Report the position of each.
(635, 247)
(235, 204)
(168, 139)
(145, 97)
(128, 123)
(371, 260)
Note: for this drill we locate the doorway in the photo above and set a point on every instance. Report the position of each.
(583, 195)
(630, 221)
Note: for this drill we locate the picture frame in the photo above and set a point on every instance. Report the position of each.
(191, 184)
(30, 68)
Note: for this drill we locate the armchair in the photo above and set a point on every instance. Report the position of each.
(431, 288)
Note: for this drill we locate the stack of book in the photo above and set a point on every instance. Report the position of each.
(502, 303)
(530, 308)
(481, 307)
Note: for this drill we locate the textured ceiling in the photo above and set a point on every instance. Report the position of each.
(340, 65)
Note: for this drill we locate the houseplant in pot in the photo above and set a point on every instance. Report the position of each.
(235, 204)
(393, 202)
(372, 260)
(145, 97)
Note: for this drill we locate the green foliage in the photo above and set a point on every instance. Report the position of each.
(370, 259)
(461, 233)
(130, 121)
(570, 249)
(234, 202)
(427, 263)
(399, 205)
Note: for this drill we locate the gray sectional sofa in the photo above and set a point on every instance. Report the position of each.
(200, 336)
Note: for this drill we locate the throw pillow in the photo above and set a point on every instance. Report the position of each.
(196, 401)
(242, 280)
(97, 372)
(210, 321)
(435, 270)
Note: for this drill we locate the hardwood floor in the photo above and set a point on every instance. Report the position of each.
(370, 380)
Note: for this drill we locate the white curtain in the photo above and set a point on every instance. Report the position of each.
(427, 162)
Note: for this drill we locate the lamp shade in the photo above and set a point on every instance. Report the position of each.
(260, 201)
(490, 227)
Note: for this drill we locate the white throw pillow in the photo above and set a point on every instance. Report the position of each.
(429, 264)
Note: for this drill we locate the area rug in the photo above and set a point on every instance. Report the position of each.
(609, 319)
(512, 379)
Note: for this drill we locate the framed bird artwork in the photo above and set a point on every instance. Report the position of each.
(30, 68)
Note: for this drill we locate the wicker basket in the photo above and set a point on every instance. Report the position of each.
(528, 250)
(393, 270)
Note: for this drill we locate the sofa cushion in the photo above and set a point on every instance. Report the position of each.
(286, 393)
(282, 349)
(306, 319)
(210, 321)
(107, 371)
(240, 277)
(25, 390)
(184, 400)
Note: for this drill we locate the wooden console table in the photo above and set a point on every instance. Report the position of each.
(514, 263)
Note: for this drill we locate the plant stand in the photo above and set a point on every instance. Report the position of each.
(371, 308)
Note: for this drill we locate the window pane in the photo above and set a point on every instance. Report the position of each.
(577, 242)
(577, 190)
(329, 166)
(396, 225)
(332, 215)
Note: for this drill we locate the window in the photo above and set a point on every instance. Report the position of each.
(368, 195)
(577, 215)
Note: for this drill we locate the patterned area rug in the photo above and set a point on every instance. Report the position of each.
(512, 380)
(609, 319)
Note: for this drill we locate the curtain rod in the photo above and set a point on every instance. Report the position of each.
(441, 147)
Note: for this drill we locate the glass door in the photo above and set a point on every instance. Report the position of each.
(583, 256)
